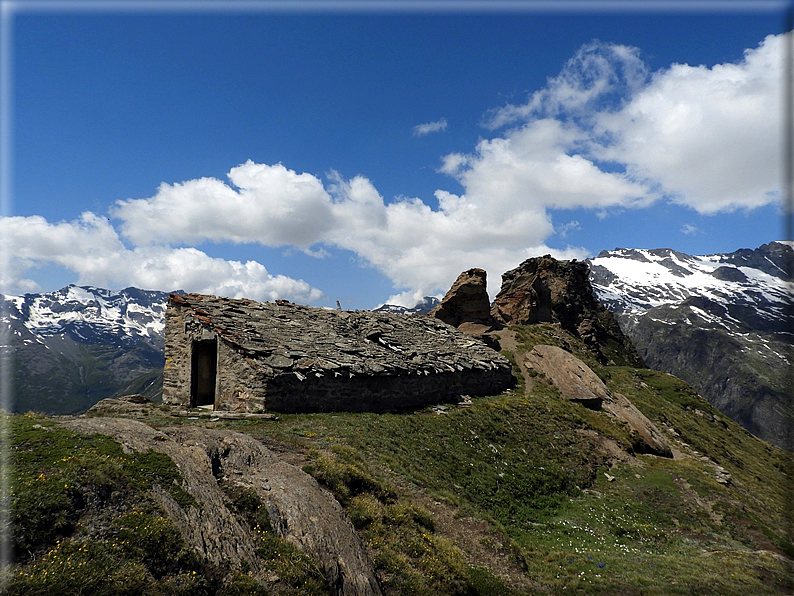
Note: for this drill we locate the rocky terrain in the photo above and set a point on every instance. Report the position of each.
(576, 381)
(589, 476)
(466, 301)
(296, 505)
(534, 491)
(720, 322)
(545, 290)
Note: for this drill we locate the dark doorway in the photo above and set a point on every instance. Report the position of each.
(202, 375)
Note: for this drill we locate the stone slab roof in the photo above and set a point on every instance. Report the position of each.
(286, 337)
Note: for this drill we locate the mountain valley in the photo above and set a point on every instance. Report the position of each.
(721, 322)
(71, 348)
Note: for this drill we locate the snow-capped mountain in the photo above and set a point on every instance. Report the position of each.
(424, 306)
(718, 321)
(129, 315)
(72, 347)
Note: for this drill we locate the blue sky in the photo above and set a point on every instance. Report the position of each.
(362, 156)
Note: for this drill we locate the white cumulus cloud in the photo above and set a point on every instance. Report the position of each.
(269, 204)
(536, 167)
(604, 134)
(195, 271)
(90, 247)
(709, 136)
(414, 245)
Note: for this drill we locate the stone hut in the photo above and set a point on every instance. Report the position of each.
(241, 355)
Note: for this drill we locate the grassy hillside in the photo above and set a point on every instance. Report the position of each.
(744, 373)
(520, 493)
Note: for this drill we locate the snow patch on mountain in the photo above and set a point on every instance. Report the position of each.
(633, 281)
(717, 321)
(86, 311)
(424, 306)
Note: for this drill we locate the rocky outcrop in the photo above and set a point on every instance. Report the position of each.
(545, 290)
(467, 306)
(124, 405)
(577, 382)
(466, 301)
(300, 511)
(573, 378)
(217, 536)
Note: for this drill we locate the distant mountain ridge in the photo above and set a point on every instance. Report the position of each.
(77, 345)
(423, 307)
(717, 321)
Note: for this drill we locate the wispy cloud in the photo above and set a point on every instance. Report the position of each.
(690, 230)
(565, 229)
(427, 128)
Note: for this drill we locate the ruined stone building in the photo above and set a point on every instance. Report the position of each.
(242, 355)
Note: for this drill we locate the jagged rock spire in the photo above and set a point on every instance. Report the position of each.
(545, 290)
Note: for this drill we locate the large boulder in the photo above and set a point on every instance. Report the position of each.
(301, 512)
(466, 301)
(573, 378)
(577, 382)
(545, 290)
(467, 306)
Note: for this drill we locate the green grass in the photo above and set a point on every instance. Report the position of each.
(408, 555)
(527, 463)
(531, 465)
(58, 474)
(759, 496)
(294, 567)
(84, 522)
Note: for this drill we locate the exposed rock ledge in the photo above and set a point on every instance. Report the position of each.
(577, 382)
(300, 511)
(545, 290)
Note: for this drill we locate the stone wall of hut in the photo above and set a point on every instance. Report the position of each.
(319, 360)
